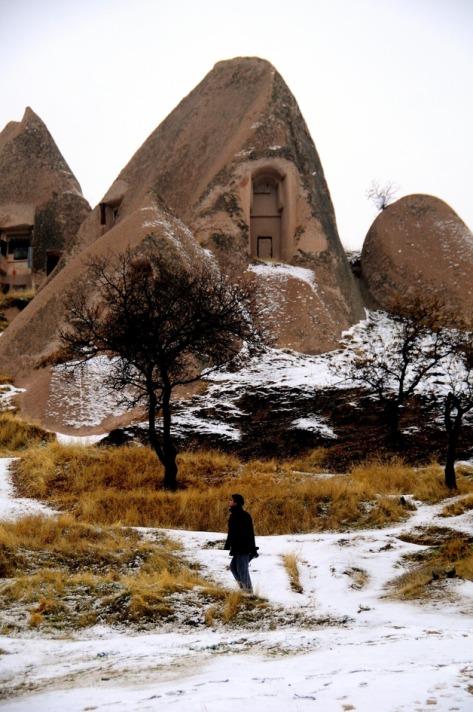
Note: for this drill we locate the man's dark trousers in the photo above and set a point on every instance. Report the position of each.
(239, 568)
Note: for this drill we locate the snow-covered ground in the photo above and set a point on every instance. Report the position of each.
(366, 653)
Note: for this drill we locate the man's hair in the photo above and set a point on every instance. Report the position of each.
(238, 499)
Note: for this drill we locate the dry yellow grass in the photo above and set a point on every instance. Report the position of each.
(67, 574)
(123, 486)
(359, 577)
(451, 559)
(291, 564)
(395, 478)
(312, 461)
(232, 604)
(77, 469)
(17, 435)
(38, 542)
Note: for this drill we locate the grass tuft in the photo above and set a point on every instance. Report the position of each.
(465, 504)
(291, 564)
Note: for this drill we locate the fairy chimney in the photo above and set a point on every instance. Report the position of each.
(41, 204)
(236, 162)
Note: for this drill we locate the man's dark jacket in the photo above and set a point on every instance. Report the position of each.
(241, 536)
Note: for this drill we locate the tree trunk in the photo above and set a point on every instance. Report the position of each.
(391, 411)
(170, 470)
(450, 476)
(453, 427)
(169, 451)
(165, 451)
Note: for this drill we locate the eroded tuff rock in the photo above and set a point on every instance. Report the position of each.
(40, 199)
(234, 165)
(149, 229)
(236, 162)
(419, 246)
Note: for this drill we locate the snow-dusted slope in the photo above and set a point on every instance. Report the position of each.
(286, 380)
(85, 402)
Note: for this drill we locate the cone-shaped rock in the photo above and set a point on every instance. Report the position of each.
(41, 204)
(235, 163)
(419, 246)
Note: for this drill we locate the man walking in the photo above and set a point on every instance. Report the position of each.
(240, 542)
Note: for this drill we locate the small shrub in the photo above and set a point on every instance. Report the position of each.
(35, 620)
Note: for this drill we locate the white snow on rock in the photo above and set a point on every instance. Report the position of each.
(282, 368)
(81, 399)
(384, 341)
(187, 420)
(86, 402)
(284, 271)
(314, 424)
(12, 507)
(7, 394)
(64, 439)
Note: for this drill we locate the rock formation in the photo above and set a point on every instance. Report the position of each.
(41, 204)
(419, 246)
(234, 162)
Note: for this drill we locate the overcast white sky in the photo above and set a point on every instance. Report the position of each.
(385, 86)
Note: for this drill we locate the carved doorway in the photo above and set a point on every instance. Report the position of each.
(265, 219)
(264, 247)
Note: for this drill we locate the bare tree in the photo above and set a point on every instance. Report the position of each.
(382, 194)
(391, 355)
(458, 401)
(166, 327)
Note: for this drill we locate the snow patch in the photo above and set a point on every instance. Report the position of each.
(285, 271)
(314, 424)
(7, 394)
(187, 420)
(64, 439)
